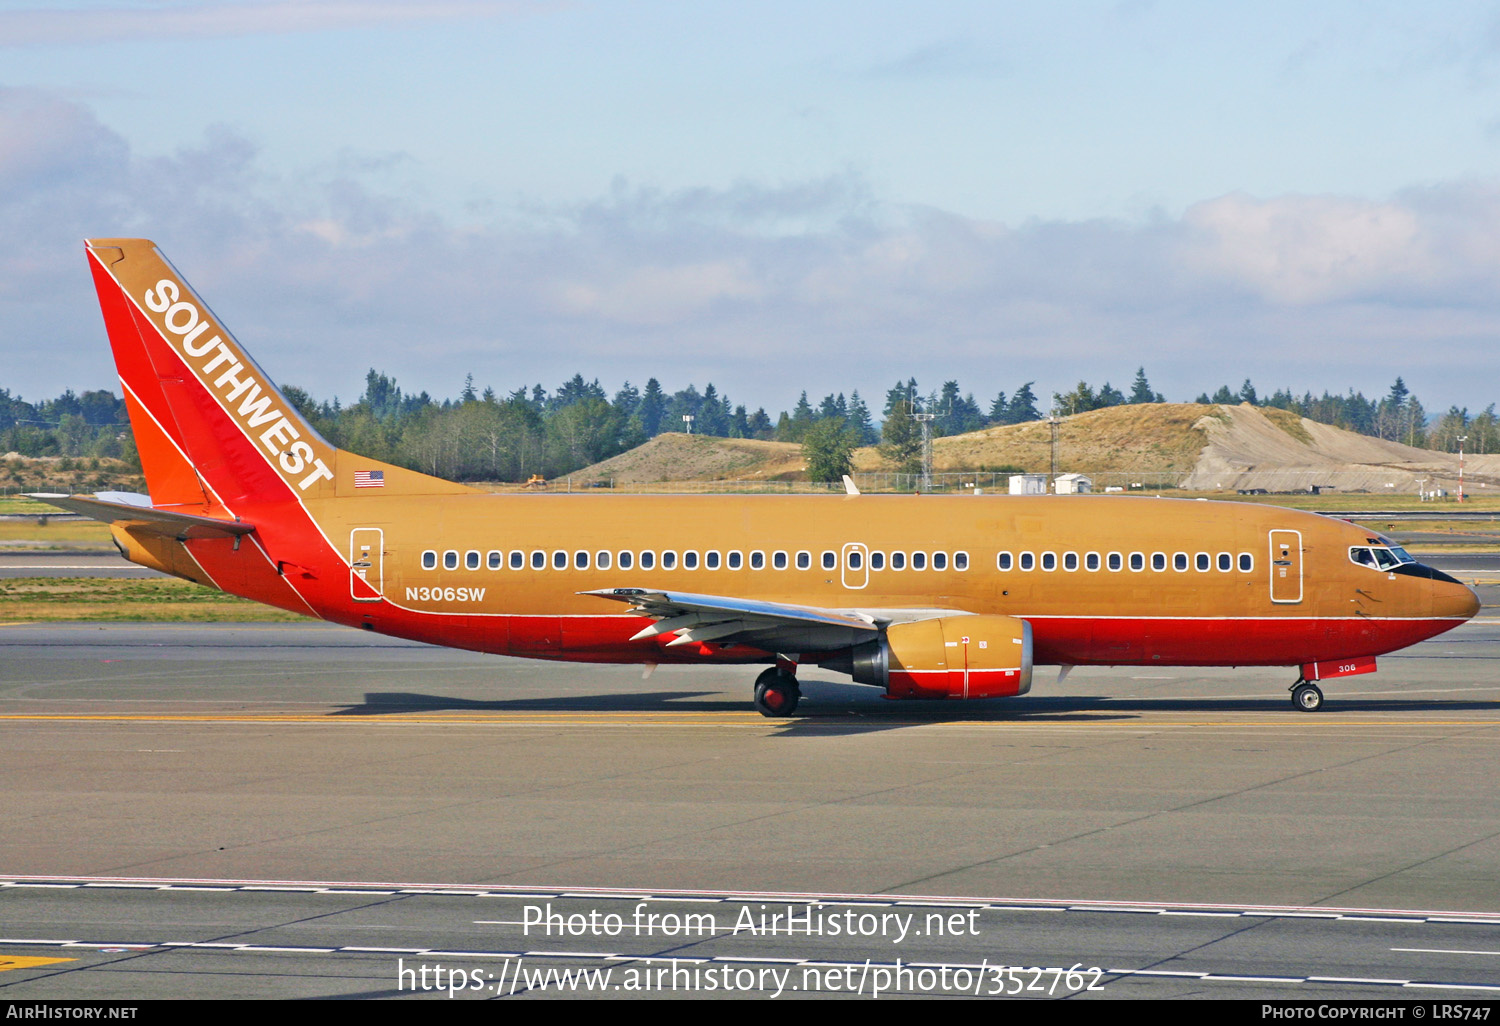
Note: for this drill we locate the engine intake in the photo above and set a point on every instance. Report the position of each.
(948, 657)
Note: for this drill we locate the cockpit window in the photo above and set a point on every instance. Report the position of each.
(1379, 557)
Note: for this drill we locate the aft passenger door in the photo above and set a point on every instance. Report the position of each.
(366, 565)
(1286, 567)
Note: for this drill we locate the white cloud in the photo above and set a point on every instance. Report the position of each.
(751, 286)
(1308, 249)
(197, 20)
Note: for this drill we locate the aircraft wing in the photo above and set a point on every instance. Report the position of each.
(148, 519)
(770, 626)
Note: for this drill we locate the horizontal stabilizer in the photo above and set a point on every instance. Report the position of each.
(149, 519)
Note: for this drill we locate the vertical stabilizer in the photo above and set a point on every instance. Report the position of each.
(210, 426)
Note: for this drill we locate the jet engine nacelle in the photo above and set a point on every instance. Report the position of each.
(949, 657)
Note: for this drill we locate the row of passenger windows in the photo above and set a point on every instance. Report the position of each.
(1181, 561)
(604, 559)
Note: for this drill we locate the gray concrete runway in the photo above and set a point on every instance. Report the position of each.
(81, 563)
(312, 753)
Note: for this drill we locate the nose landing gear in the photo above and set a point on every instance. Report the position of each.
(776, 692)
(1306, 696)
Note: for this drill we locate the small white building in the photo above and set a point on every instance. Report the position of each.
(1028, 484)
(1073, 484)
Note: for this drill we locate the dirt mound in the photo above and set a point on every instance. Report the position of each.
(1123, 439)
(1192, 445)
(1251, 447)
(679, 457)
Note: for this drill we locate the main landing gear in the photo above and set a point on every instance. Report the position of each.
(1306, 696)
(776, 692)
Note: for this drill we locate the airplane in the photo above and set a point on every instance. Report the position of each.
(924, 597)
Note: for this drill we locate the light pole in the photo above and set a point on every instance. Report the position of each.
(1052, 423)
(1461, 440)
(687, 418)
(926, 419)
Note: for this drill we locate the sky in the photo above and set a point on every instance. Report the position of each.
(771, 196)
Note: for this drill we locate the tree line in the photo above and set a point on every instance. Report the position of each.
(485, 435)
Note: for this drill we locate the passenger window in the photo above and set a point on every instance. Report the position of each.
(450, 559)
(1003, 561)
(429, 560)
(559, 560)
(1158, 560)
(690, 560)
(1137, 561)
(804, 560)
(711, 560)
(517, 559)
(1091, 561)
(855, 560)
(960, 561)
(601, 559)
(1070, 561)
(1114, 561)
(919, 561)
(778, 561)
(1180, 561)
(471, 559)
(898, 561)
(1202, 562)
(1226, 561)
(830, 560)
(580, 560)
(496, 559)
(648, 560)
(538, 559)
(1247, 562)
(669, 560)
(1049, 561)
(625, 559)
(758, 560)
(940, 560)
(877, 561)
(735, 560)
(1028, 561)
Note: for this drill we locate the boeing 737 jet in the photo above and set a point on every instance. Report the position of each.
(920, 596)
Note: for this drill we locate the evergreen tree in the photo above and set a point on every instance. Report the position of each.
(1223, 396)
(713, 415)
(628, 400)
(1140, 391)
(652, 409)
(858, 421)
(902, 392)
(802, 420)
(998, 410)
(1080, 400)
(468, 395)
(901, 440)
(1023, 406)
(1247, 394)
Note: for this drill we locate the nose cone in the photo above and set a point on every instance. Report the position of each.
(1452, 599)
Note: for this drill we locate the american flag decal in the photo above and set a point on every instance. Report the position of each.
(369, 479)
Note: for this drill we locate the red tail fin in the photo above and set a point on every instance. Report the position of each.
(210, 426)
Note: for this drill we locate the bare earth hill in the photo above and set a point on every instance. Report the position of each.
(1201, 447)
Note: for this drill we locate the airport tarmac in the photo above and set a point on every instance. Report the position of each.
(1186, 830)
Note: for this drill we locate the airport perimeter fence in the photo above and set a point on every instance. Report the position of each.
(872, 482)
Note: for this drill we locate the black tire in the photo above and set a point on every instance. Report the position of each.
(1307, 697)
(777, 698)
